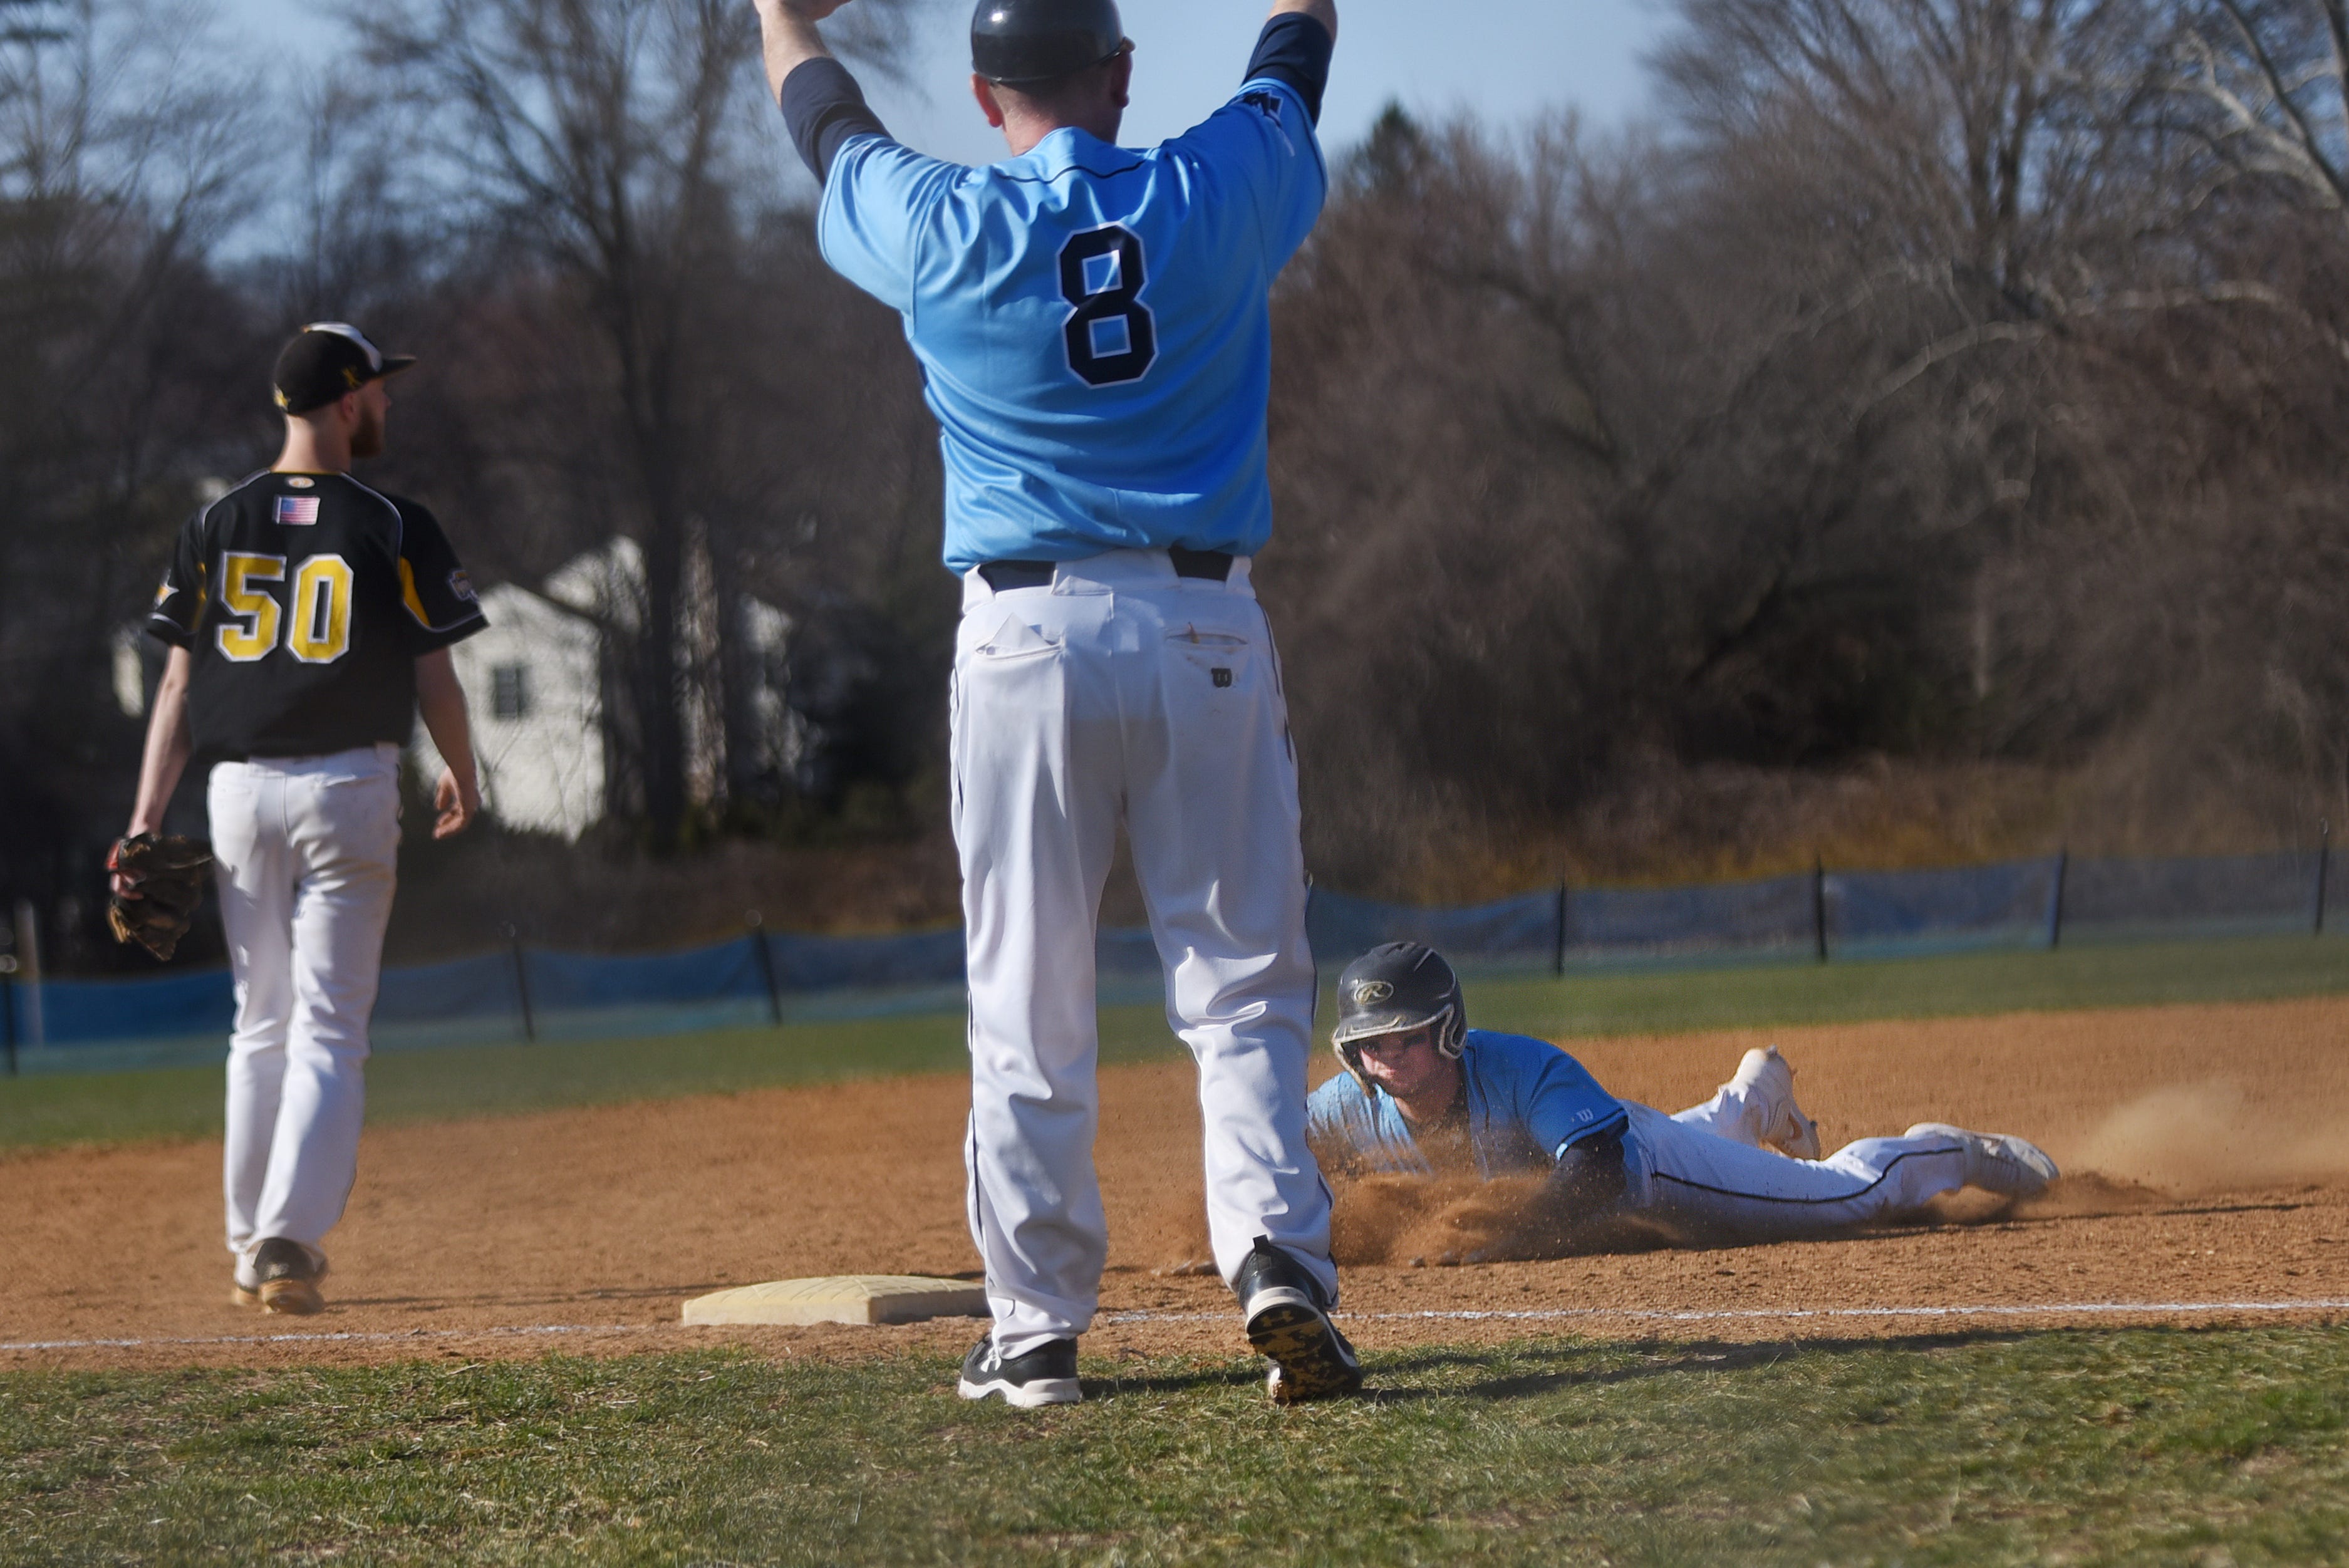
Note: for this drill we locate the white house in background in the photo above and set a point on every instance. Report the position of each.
(532, 689)
(535, 681)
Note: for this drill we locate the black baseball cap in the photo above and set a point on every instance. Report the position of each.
(324, 360)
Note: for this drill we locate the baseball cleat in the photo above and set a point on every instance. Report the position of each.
(1764, 1075)
(280, 1276)
(1287, 1323)
(1997, 1162)
(1045, 1375)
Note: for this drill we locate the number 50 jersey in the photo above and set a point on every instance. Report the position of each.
(1093, 323)
(306, 600)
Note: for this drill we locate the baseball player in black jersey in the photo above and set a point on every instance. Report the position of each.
(309, 617)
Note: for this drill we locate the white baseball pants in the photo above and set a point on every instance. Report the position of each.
(1702, 1179)
(1739, 1112)
(305, 851)
(1121, 691)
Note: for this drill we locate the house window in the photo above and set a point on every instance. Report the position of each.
(510, 691)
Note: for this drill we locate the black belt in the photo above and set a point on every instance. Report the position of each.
(1206, 566)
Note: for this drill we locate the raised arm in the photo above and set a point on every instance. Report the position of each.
(820, 101)
(1295, 46)
(1323, 11)
(791, 40)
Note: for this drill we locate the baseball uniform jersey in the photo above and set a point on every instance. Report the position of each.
(306, 600)
(1093, 323)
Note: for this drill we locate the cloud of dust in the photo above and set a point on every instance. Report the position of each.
(2207, 1137)
(1395, 1219)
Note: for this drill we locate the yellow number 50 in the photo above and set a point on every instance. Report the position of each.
(321, 629)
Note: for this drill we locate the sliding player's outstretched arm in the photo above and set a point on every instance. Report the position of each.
(1578, 1211)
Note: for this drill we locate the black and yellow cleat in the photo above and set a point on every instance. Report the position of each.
(280, 1276)
(1288, 1324)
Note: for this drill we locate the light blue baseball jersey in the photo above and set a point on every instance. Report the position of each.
(1529, 1102)
(1093, 323)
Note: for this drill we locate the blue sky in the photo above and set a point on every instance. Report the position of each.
(1506, 59)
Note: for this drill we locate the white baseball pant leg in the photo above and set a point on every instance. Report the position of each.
(1703, 1187)
(1735, 1112)
(305, 854)
(1122, 690)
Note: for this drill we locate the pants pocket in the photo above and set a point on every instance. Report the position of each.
(1214, 661)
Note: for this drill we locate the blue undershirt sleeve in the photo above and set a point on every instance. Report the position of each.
(1294, 49)
(825, 108)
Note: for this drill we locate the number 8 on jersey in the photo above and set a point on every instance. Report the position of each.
(1113, 338)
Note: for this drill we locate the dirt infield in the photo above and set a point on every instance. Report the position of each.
(2206, 1147)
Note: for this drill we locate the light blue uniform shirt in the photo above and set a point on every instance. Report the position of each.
(1529, 1102)
(1092, 324)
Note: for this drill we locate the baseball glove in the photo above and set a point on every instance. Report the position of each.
(166, 874)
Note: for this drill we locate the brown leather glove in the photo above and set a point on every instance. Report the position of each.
(166, 876)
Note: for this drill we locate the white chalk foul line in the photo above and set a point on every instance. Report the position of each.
(1744, 1315)
(346, 1337)
(1556, 1315)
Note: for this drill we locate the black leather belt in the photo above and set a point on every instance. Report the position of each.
(1206, 566)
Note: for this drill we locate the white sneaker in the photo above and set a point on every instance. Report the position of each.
(1997, 1162)
(1765, 1077)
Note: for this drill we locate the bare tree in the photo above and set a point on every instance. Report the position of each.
(2263, 85)
(602, 139)
(126, 155)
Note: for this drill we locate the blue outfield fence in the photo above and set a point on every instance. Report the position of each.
(769, 976)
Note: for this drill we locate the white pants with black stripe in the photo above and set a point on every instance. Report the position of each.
(1121, 692)
(1700, 1178)
(305, 851)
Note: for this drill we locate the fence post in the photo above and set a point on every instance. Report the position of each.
(1558, 962)
(28, 967)
(2324, 868)
(1819, 904)
(8, 1008)
(766, 958)
(2055, 903)
(1311, 890)
(521, 984)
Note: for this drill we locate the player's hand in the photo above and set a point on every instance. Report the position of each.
(115, 882)
(458, 802)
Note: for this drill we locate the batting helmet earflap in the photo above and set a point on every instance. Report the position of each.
(1389, 990)
(1024, 43)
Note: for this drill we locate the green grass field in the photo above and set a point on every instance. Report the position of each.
(2217, 1447)
(2092, 1449)
(413, 1085)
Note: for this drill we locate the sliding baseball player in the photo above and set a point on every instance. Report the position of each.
(1093, 327)
(1423, 1094)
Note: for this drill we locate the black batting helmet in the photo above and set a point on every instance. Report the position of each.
(1024, 43)
(1389, 990)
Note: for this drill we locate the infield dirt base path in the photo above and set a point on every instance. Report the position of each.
(2206, 1152)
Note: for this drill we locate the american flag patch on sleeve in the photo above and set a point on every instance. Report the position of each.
(297, 511)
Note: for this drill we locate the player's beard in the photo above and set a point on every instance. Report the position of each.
(366, 437)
